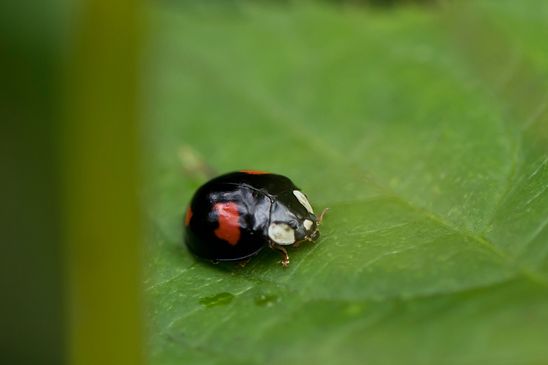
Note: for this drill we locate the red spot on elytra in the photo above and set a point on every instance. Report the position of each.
(188, 216)
(229, 227)
(254, 172)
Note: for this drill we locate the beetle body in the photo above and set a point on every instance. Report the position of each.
(234, 216)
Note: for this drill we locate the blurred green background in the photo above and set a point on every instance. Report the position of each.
(421, 124)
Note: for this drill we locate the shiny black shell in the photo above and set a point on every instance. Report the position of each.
(249, 198)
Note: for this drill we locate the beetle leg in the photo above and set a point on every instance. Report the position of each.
(283, 252)
(244, 262)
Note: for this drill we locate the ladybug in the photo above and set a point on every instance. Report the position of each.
(234, 216)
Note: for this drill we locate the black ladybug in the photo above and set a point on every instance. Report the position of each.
(234, 216)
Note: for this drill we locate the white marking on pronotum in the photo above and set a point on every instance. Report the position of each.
(281, 233)
(307, 224)
(302, 199)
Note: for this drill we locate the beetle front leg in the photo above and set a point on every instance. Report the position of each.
(283, 252)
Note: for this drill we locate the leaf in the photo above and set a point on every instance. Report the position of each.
(423, 129)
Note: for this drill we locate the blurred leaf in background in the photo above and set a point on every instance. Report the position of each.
(70, 211)
(423, 128)
(31, 310)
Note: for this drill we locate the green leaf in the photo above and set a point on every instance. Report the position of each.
(423, 129)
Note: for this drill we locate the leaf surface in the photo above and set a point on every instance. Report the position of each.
(407, 123)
